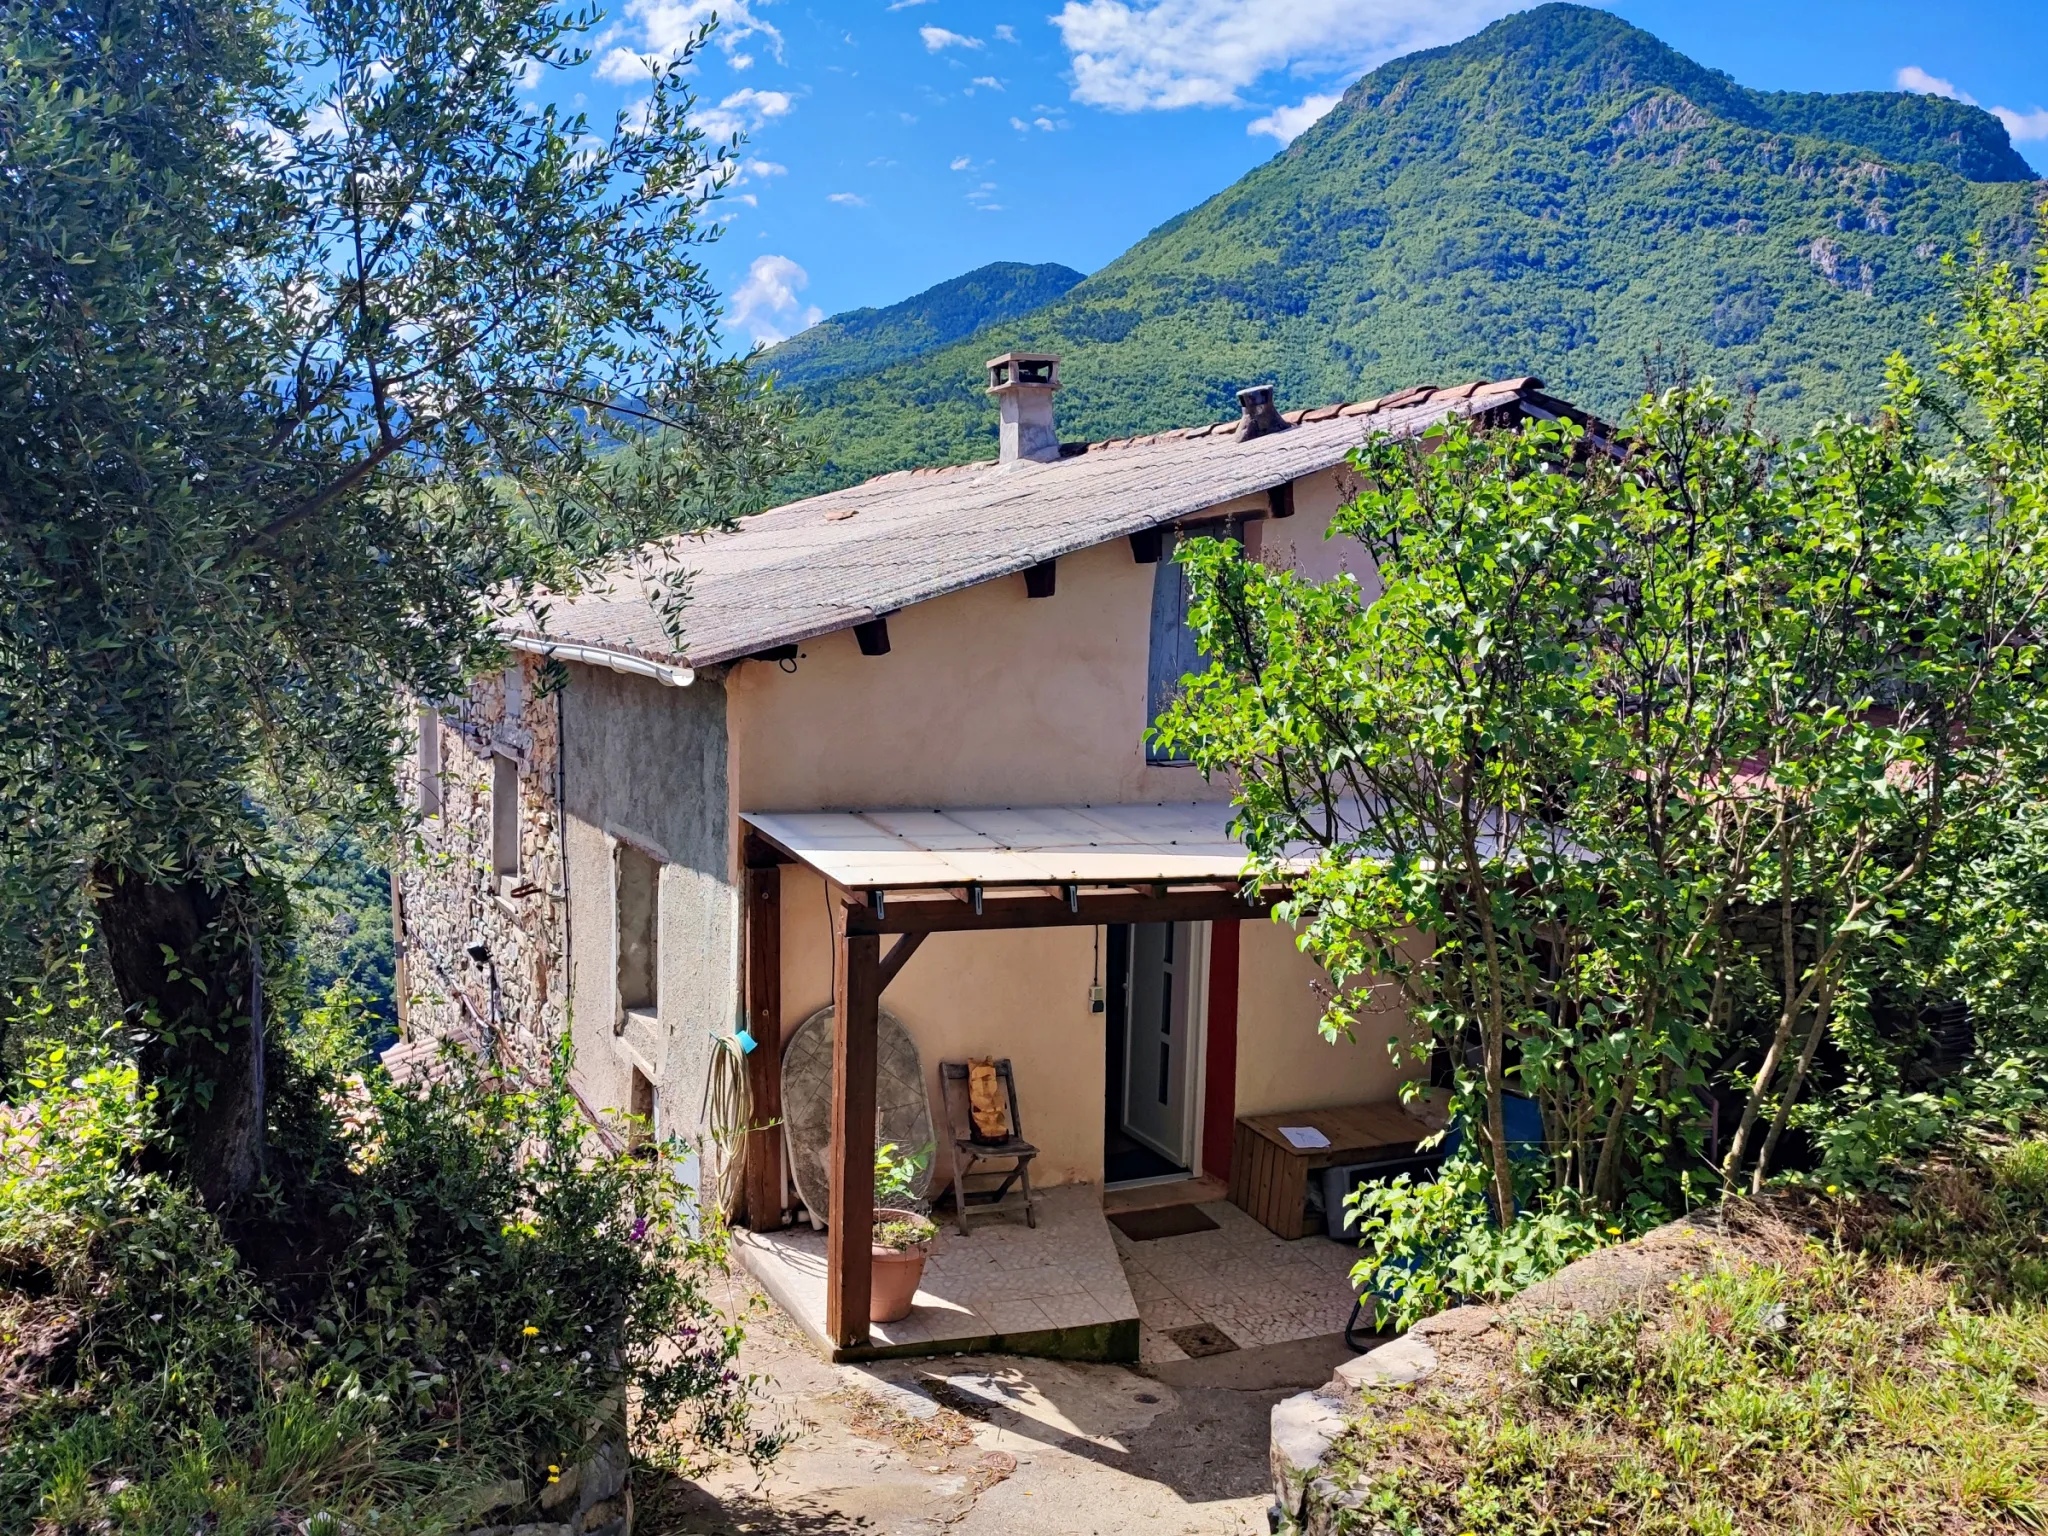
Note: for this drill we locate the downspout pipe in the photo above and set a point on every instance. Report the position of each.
(602, 656)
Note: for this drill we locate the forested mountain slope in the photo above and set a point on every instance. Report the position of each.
(861, 340)
(1561, 194)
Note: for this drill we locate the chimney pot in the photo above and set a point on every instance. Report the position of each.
(1260, 417)
(1023, 384)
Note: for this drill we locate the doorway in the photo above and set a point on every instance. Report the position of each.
(1152, 1051)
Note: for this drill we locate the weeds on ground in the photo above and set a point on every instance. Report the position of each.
(1890, 1375)
(448, 1288)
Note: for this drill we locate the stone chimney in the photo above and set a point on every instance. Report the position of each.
(1259, 415)
(1022, 383)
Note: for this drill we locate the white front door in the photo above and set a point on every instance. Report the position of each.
(1159, 1045)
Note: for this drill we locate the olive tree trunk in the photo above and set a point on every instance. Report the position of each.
(185, 961)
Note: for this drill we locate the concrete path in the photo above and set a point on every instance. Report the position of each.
(993, 1445)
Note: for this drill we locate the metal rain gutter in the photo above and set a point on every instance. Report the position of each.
(599, 656)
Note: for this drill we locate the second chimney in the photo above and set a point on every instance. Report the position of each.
(1022, 383)
(1259, 416)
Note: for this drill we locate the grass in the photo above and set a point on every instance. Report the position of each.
(1888, 1374)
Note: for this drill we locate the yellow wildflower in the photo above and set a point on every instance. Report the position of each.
(530, 1331)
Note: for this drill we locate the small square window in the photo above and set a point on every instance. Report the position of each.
(505, 816)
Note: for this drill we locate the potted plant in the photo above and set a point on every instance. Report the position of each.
(902, 1236)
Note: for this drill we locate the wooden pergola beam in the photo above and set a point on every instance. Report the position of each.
(953, 912)
(850, 1159)
(898, 956)
(860, 972)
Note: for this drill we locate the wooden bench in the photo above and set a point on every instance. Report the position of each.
(1269, 1176)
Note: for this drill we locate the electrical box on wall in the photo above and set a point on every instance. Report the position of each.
(1095, 1003)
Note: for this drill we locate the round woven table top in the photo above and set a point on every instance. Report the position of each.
(903, 1113)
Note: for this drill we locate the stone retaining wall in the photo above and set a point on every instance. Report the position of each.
(1464, 1350)
(592, 1498)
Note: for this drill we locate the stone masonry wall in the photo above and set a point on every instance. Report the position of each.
(450, 896)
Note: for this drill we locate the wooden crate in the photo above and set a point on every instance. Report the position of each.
(1269, 1177)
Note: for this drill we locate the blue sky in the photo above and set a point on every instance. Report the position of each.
(892, 145)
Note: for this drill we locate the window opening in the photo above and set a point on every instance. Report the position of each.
(1174, 653)
(505, 816)
(429, 762)
(637, 892)
(641, 1137)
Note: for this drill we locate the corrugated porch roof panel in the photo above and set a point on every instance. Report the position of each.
(1011, 845)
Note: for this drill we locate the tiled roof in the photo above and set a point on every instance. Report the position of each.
(832, 561)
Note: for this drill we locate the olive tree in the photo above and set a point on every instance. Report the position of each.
(322, 340)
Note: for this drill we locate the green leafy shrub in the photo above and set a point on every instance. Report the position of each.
(452, 1286)
(1435, 1244)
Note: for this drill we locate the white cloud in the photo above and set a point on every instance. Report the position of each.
(990, 81)
(741, 60)
(764, 168)
(1914, 78)
(936, 38)
(744, 111)
(766, 304)
(2023, 125)
(904, 5)
(667, 27)
(1129, 55)
(846, 199)
(1286, 123)
(326, 122)
(1006, 33)
(960, 163)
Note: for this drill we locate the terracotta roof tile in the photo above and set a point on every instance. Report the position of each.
(1323, 412)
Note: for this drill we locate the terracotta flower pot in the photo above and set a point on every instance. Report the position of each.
(896, 1273)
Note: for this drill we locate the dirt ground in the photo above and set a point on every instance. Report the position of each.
(988, 1445)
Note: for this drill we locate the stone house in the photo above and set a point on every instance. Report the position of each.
(916, 707)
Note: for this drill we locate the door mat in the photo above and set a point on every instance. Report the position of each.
(1163, 1221)
(1202, 1339)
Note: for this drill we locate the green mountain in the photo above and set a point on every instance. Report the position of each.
(861, 340)
(1560, 194)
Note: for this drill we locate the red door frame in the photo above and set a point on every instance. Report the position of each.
(1219, 1085)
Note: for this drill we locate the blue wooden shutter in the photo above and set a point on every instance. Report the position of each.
(1174, 654)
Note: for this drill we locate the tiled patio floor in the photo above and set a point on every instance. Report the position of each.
(1075, 1287)
(1056, 1289)
(1256, 1288)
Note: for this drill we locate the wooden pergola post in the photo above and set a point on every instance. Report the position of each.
(850, 1161)
(761, 891)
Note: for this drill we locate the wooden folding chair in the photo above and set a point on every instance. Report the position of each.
(968, 1153)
